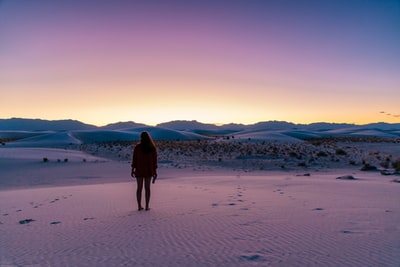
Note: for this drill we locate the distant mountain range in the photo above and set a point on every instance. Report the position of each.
(20, 124)
(18, 132)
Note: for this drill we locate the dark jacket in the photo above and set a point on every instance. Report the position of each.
(144, 164)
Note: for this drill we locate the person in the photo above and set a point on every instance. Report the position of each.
(144, 167)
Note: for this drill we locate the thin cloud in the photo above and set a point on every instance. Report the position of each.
(390, 114)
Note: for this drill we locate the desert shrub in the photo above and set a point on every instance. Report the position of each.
(45, 159)
(341, 152)
(322, 154)
(368, 167)
(302, 164)
(384, 164)
(396, 165)
(65, 160)
(317, 143)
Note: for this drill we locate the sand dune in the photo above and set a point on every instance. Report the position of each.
(185, 131)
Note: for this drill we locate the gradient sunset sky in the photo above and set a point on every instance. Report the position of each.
(212, 61)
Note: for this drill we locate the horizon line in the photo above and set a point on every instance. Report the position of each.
(194, 120)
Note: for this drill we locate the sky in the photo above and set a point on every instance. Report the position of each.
(215, 61)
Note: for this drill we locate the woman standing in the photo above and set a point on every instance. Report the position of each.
(144, 167)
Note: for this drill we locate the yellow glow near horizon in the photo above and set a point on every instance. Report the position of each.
(157, 102)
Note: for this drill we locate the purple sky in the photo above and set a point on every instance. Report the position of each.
(212, 61)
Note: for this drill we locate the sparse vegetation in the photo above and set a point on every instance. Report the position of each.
(341, 152)
(396, 165)
(45, 159)
(3, 141)
(384, 164)
(368, 167)
(322, 154)
(243, 155)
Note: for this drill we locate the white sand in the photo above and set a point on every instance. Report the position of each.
(84, 214)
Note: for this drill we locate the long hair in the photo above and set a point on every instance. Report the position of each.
(147, 143)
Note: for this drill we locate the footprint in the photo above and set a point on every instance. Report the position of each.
(54, 200)
(26, 221)
(346, 232)
(252, 257)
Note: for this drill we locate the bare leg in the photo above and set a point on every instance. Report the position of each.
(139, 181)
(147, 182)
